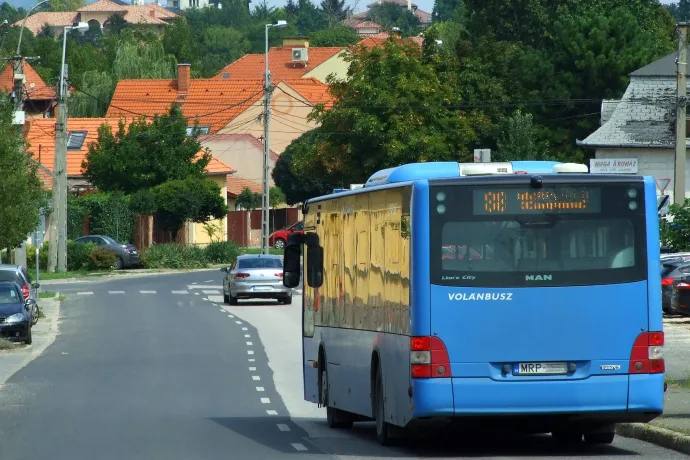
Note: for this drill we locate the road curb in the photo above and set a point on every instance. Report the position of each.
(656, 435)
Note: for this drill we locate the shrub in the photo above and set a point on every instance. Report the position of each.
(173, 256)
(42, 256)
(78, 255)
(222, 252)
(101, 259)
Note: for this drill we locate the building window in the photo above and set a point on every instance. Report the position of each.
(199, 129)
(75, 140)
(225, 76)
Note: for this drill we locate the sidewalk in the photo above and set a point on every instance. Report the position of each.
(672, 430)
(43, 334)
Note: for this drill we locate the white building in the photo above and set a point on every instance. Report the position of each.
(641, 125)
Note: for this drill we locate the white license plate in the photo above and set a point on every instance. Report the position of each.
(262, 288)
(540, 368)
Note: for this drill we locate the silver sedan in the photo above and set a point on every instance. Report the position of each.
(255, 276)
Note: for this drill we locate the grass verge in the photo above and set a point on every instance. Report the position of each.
(680, 383)
(275, 252)
(6, 344)
(46, 295)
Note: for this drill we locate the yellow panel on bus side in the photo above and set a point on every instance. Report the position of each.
(309, 308)
(361, 267)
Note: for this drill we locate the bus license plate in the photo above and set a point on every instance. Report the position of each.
(540, 368)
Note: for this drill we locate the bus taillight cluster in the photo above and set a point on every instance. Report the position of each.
(428, 358)
(647, 355)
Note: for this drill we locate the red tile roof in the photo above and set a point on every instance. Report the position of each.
(214, 103)
(46, 177)
(36, 88)
(105, 6)
(279, 62)
(41, 138)
(236, 185)
(378, 39)
(312, 90)
(36, 21)
(368, 25)
(134, 14)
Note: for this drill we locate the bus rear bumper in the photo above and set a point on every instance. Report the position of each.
(614, 399)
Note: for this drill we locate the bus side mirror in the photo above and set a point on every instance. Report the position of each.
(291, 265)
(314, 266)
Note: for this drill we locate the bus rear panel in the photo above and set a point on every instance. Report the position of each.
(539, 299)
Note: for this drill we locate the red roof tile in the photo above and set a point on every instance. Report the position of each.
(279, 62)
(236, 185)
(378, 39)
(46, 177)
(368, 25)
(105, 6)
(34, 85)
(36, 21)
(41, 138)
(312, 90)
(214, 103)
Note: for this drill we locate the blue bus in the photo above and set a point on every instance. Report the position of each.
(520, 293)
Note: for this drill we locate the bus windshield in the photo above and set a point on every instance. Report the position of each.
(521, 237)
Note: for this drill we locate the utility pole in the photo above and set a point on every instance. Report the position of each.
(18, 71)
(61, 171)
(681, 118)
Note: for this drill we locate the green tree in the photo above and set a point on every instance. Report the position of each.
(143, 155)
(195, 199)
(394, 109)
(449, 10)
(335, 10)
(298, 189)
(21, 193)
(518, 139)
(65, 5)
(276, 197)
(389, 15)
(248, 200)
(335, 36)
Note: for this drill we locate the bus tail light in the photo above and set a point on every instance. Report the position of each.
(647, 355)
(428, 358)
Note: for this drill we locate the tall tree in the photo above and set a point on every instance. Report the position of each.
(335, 10)
(21, 193)
(66, 5)
(393, 110)
(143, 154)
(338, 35)
(389, 15)
(518, 139)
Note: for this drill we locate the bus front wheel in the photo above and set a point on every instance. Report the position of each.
(335, 418)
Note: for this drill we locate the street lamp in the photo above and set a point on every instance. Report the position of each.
(267, 97)
(58, 236)
(21, 31)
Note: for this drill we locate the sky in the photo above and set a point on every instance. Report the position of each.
(360, 5)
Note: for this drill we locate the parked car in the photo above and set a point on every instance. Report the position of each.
(674, 267)
(255, 276)
(15, 313)
(18, 275)
(278, 239)
(126, 254)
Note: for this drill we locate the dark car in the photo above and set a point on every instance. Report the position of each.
(18, 275)
(15, 313)
(126, 254)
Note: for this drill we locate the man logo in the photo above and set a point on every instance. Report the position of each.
(538, 277)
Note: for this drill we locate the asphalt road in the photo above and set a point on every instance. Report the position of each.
(157, 368)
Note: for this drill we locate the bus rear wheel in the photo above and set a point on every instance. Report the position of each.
(383, 428)
(336, 418)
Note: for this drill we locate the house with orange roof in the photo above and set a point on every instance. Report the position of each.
(99, 12)
(39, 99)
(358, 21)
(293, 60)
(226, 111)
(82, 132)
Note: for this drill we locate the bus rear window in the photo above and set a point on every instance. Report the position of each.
(563, 237)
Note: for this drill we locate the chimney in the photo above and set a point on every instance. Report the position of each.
(184, 72)
(296, 42)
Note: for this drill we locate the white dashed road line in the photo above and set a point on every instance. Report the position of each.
(116, 292)
(265, 401)
(250, 343)
(252, 369)
(283, 427)
(180, 292)
(256, 377)
(251, 360)
(271, 412)
(84, 293)
(260, 389)
(244, 328)
(299, 446)
(148, 292)
(238, 322)
(207, 291)
(250, 352)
